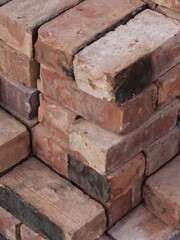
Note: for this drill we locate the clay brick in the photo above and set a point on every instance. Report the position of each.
(28, 234)
(162, 150)
(168, 12)
(104, 237)
(56, 117)
(162, 193)
(104, 188)
(119, 119)
(9, 225)
(49, 204)
(10, 63)
(173, 4)
(50, 149)
(142, 225)
(20, 99)
(19, 28)
(150, 4)
(2, 2)
(168, 85)
(105, 151)
(14, 141)
(127, 60)
(60, 39)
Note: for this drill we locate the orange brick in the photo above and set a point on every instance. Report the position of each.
(50, 148)
(14, 141)
(168, 85)
(162, 193)
(173, 4)
(28, 234)
(119, 119)
(168, 12)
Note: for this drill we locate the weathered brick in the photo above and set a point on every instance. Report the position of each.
(18, 66)
(19, 28)
(50, 149)
(162, 193)
(104, 237)
(150, 4)
(168, 12)
(162, 150)
(119, 119)
(49, 204)
(60, 39)
(173, 4)
(142, 225)
(9, 225)
(104, 188)
(56, 117)
(127, 60)
(28, 234)
(168, 85)
(20, 99)
(14, 141)
(2, 2)
(105, 151)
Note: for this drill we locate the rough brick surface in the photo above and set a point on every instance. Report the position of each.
(49, 204)
(14, 141)
(162, 150)
(168, 12)
(169, 85)
(106, 71)
(50, 148)
(20, 67)
(172, 4)
(106, 151)
(104, 237)
(9, 225)
(19, 28)
(162, 193)
(28, 234)
(56, 117)
(142, 225)
(60, 39)
(2, 2)
(20, 99)
(123, 118)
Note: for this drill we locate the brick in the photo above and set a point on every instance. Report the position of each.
(127, 60)
(104, 188)
(162, 193)
(14, 141)
(106, 151)
(10, 61)
(173, 4)
(119, 119)
(50, 149)
(104, 237)
(60, 39)
(168, 85)
(56, 117)
(28, 234)
(49, 204)
(20, 99)
(143, 225)
(161, 151)
(168, 12)
(150, 4)
(19, 28)
(9, 225)
(2, 2)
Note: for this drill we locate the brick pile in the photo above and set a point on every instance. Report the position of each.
(108, 136)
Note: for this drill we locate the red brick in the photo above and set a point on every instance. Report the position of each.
(142, 225)
(9, 225)
(168, 12)
(51, 205)
(118, 119)
(168, 85)
(28, 234)
(106, 151)
(10, 63)
(20, 99)
(56, 117)
(162, 193)
(173, 4)
(127, 60)
(18, 28)
(50, 149)
(162, 150)
(14, 141)
(60, 39)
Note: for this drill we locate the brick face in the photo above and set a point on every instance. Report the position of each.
(173, 4)
(28, 234)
